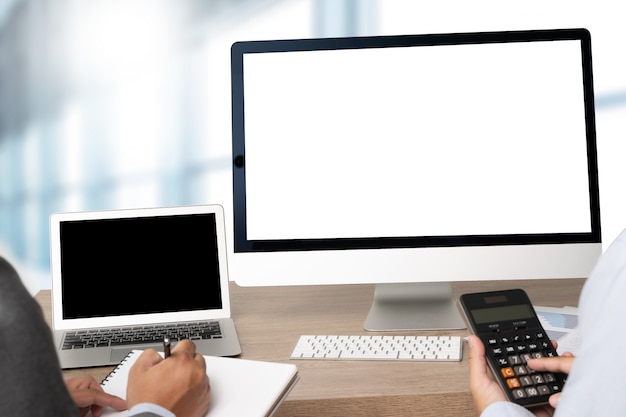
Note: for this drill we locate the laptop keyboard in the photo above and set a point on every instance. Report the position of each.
(82, 339)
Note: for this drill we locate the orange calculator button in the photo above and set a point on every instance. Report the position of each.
(513, 383)
(507, 372)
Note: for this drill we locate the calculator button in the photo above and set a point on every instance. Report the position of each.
(519, 393)
(525, 381)
(521, 370)
(515, 360)
(512, 351)
(538, 379)
(555, 387)
(532, 392)
(543, 389)
(513, 383)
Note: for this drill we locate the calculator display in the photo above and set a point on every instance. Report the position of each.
(493, 314)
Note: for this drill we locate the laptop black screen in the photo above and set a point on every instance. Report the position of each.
(139, 265)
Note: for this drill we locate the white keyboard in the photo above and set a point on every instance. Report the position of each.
(377, 347)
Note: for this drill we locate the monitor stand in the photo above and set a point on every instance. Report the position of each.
(414, 306)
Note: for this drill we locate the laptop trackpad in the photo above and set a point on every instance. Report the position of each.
(119, 353)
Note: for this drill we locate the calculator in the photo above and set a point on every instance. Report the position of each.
(509, 328)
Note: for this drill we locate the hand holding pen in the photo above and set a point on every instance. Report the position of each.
(179, 384)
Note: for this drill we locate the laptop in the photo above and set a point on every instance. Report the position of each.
(121, 279)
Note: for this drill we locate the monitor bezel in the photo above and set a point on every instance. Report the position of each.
(242, 244)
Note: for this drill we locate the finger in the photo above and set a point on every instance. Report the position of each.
(149, 358)
(96, 411)
(93, 384)
(556, 364)
(102, 399)
(554, 399)
(200, 360)
(90, 398)
(82, 382)
(186, 346)
(477, 362)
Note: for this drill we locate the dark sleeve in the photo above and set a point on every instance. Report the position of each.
(32, 383)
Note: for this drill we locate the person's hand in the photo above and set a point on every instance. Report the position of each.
(561, 364)
(178, 383)
(486, 391)
(483, 386)
(89, 396)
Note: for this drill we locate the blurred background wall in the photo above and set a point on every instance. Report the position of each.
(126, 103)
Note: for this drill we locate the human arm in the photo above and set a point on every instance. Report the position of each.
(89, 395)
(486, 392)
(34, 384)
(179, 383)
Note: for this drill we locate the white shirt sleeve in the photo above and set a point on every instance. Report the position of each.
(150, 408)
(594, 386)
(506, 409)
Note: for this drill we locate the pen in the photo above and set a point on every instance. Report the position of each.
(166, 347)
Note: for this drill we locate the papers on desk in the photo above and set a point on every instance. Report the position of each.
(561, 324)
(239, 387)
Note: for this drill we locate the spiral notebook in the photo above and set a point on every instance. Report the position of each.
(263, 385)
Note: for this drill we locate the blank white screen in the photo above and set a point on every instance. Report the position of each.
(420, 141)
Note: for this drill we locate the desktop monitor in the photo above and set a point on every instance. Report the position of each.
(412, 162)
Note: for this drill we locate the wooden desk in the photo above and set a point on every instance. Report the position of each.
(269, 321)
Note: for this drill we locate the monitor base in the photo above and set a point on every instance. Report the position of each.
(414, 306)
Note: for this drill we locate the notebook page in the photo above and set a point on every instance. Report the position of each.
(239, 387)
